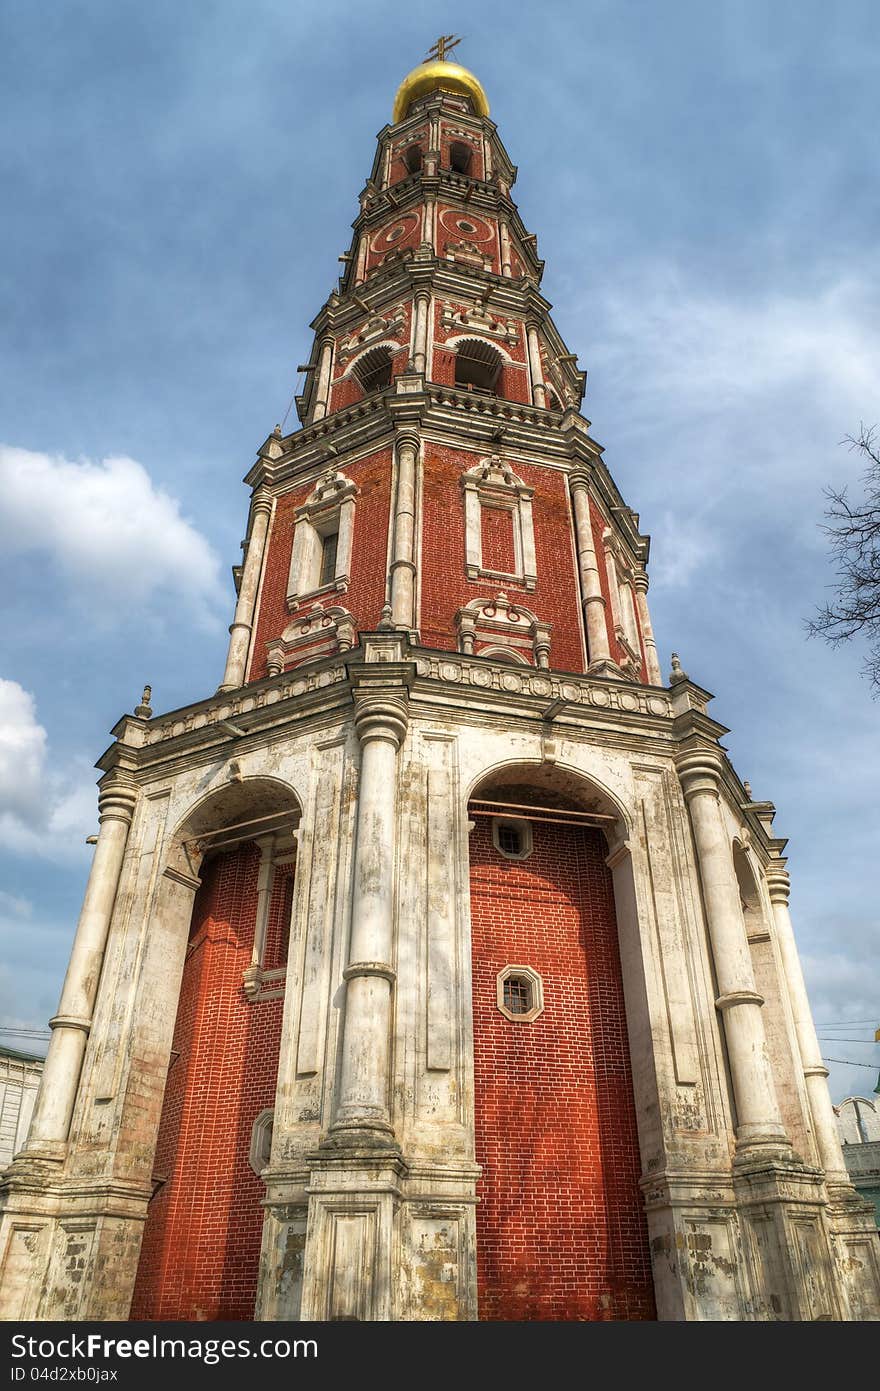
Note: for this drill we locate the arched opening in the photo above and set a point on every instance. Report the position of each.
(477, 365)
(413, 159)
(201, 1247)
(561, 1231)
(373, 370)
(460, 156)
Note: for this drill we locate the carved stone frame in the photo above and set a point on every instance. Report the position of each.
(536, 985)
(330, 506)
(492, 483)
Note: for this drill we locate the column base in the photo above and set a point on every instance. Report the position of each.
(69, 1249)
(606, 667)
(366, 1134)
(384, 1239)
(761, 1244)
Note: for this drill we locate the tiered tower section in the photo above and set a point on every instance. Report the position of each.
(443, 483)
(439, 965)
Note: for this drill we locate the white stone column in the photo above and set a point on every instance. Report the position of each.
(758, 1118)
(71, 1025)
(429, 226)
(240, 628)
(420, 331)
(402, 564)
(504, 242)
(655, 676)
(539, 390)
(815, 1071)
(360, 273)
(362, 1108)
(591, 587)
(322, 388)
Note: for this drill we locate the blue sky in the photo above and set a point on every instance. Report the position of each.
(179, 179)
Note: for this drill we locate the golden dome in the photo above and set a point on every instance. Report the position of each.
(449, 77)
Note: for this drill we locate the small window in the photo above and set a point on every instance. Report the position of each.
(509, 839)
(261, 1141)
(329, 551)
(413, 158)
(459, 157)
(520, 993)
(512, 837)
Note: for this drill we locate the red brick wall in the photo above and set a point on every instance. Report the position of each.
(445, 585)
(366, 594)
(201, 1245)
(497, 529)
(560, 1228)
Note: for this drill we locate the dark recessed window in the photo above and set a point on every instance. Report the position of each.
(373, 370)
(517, 995)
(329, 548)
(413, 159)
(477, 365)
(509, 840)
(459, 157)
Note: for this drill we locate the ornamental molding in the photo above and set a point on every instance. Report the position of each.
(480, 320)
(377, 326)
(330, 490)
(410, 139)
(481, 675)
(232, 706)
(467, 253)
(497, 623)
(492, 483)
(319, 633)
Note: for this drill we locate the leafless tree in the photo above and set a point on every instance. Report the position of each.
(853, 531)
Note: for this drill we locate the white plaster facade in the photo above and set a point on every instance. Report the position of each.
(370, 1186)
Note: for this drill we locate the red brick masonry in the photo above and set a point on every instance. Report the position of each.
(560, 1228)
(201, 1245)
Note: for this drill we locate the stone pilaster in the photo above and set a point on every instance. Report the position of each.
(758, 1119)
(599, 651)
(504, 242)
(362, 1109)
(322, 385)
(539, 390)
(420, 331)
(242, 625)
(402, 564)
(50, 1125)
(640, 581)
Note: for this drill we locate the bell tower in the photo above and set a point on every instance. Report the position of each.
(439, 965)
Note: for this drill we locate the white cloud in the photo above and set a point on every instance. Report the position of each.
(108, 527)
(43, 811)
(729, 395)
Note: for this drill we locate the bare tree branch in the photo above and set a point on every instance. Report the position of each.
(853, 531)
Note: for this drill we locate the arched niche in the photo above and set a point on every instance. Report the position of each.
(227, 894)
(554, 787)
(243, 809)
(749, 893)
(550, 1050)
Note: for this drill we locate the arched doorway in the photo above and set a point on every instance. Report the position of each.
(561, 1232)
(201, 1247)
